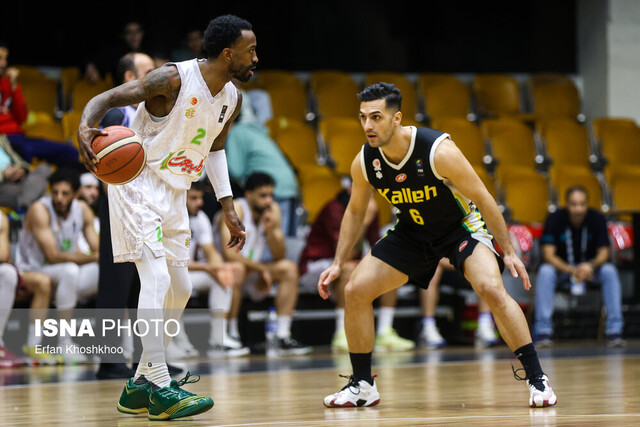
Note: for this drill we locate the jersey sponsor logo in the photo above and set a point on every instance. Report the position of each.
(376, 164)
(401, 177)
(190, 113)
(463, 245)
(406, 195)
(187, 242)
(184, 162)
(222, 113)
(419, 167)
(193, 100)
(379, 175)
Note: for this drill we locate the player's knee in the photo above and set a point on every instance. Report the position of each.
(348, 267)
(288, 268)
(8, 276)
(41, 285)
(70, 269)
(355, 292)
(491, 290)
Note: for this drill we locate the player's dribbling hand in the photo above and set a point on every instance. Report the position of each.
(327, 276)
(85, 136)
(236, 229)
(515, 265)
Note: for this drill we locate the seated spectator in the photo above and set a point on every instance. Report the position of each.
(318, 255)
(13, 112)
(19, 187)
(249, 149)
(47, 243)
(430, 337)
(192, 47)
(261, 218)
(575, 251)
(208, 272)
(13, 287)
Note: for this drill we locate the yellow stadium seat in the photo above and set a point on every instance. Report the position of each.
(69, 76)
(29, 73)
(338, 100)
(567, 142)
(298, 142)
(318, 186)
(320, 79)
(512, 144)
(448, 98)
(625, 192)
(408, 90)
(289, 100)
(45, 130)
(527, 195)
(619, 141)
(496, 95)
(70, 123)
(266, 79)
(554, 97)
(83, 91)
(41, 95)
(344, 137)
(466, 136)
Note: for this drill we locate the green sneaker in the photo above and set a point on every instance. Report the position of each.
(389, 340)
(135, 398)
(173, 402)
(339, 342)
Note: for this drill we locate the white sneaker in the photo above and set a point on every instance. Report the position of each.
(176, 352)
(182, 341)
(541, 398)
(486, 336)
(230, 347)
(354, 394)
(431, 338)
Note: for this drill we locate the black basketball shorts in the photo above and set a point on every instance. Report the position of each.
(418, 259)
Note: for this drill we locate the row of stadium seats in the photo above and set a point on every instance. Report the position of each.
(527, 168)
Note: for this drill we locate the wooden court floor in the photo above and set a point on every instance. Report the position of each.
(593, 389)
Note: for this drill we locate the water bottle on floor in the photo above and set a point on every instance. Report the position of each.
(271, 327)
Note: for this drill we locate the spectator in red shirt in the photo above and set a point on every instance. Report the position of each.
(13, 110)
(318, 255)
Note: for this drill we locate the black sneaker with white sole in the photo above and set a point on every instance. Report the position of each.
(292, 346)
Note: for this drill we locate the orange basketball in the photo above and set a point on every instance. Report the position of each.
(121, 155)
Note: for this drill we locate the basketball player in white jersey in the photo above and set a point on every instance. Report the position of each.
(48, 244)
(183, 119)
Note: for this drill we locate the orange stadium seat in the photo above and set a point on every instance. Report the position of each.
(70, 123)
(29, 73)
(50, 130)
(344, 137)
(619, 141)
(408, 90)
(496, 95)
(269, 78)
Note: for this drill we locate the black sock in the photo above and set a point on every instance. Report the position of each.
(361, 363)
(529, 359)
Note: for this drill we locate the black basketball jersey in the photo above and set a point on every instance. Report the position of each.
(428, 204)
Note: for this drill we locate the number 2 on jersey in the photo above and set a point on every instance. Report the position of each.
(415, 215)
(197, 139)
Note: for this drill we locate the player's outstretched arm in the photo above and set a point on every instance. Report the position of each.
(162, 82)
(351, 226)
(451, 163)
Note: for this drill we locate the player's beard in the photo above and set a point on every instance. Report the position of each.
(244, 74)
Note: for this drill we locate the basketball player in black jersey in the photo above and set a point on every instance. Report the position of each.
(440, 197)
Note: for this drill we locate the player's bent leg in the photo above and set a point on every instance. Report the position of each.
(482, 271)
(370, 279)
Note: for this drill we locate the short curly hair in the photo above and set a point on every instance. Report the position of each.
(222, 32)
(387, 91)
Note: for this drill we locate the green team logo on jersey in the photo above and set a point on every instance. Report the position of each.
(65, 246)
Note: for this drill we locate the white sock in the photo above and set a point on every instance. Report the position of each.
(32, 339)
(428, 321)
(485, 319)
(158, 373)
(284, 326)
(385, 319)
(233, 328)
(339, 319)
(218, 327)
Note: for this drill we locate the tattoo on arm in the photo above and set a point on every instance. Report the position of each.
(164, 81)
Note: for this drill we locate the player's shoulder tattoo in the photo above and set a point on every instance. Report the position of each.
(162, 81)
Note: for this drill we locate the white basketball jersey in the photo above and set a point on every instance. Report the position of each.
(178, 143)
(66, 231)
(201, 234)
